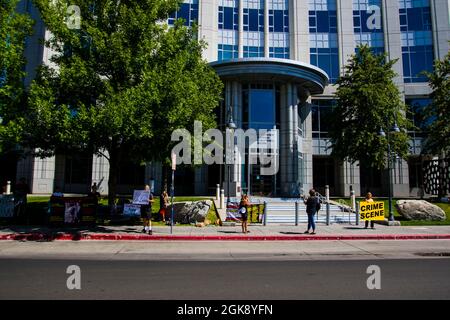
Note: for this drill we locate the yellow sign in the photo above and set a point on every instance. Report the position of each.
(371, 210)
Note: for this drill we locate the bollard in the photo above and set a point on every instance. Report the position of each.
(353, 199)
(357, 213)
(218, 192)
(296, 213)
(328, 213)
(265, 214)
(8, 187)
(327, 192)
(222, 198)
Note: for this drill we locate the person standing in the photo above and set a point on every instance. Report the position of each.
(243, 210)
(146, 212)
(311, 208)
(163, 204)
(369, 199)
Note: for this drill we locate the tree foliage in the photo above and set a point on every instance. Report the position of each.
(368, 100)
(438, 113)
(121, 83)
(14, 28)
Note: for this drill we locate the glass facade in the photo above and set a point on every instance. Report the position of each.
(368, 24)
(323, 37)
(253, 37)
(229, 16)
(417, 39)
(228, 25)
(321, 111)
(416, 112)
(279, 29)
(187, 11)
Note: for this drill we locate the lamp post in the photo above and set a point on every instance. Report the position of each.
(394, 129)
(231, 126)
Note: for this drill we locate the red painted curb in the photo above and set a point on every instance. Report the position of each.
(140, 237)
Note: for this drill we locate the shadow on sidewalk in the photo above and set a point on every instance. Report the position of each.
(45, 233)
(354, 228)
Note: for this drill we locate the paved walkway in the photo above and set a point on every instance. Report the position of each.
(257, 232)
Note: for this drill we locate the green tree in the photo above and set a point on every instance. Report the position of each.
(14, 28)
(124, 81)
(437, 113)
(368, 100)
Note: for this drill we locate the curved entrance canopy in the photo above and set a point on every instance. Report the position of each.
(302, 74)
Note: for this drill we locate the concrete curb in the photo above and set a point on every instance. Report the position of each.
(142, 237)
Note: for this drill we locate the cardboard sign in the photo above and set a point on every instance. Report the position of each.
(72, 212)
(371, 210)
(141, 197)
(131, 210)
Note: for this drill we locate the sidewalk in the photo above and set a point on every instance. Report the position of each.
(213, 233)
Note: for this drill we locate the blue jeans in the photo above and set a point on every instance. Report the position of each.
(311, 223)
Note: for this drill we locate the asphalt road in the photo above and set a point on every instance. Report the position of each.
(225, 280)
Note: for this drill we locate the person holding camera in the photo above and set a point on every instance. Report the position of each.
(312, 203)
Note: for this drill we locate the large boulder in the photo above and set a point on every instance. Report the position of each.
(191, 212)
(420, 210)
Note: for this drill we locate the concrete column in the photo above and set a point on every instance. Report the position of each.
(60, 168)
(392, 36)
(241, 29)
(346, 39)
(208, 17)
(440, 15)
(400, 178)
(25, 168)
(289, 139)
(348, 175)
(284, 188)
(307, 146)
(266, 28)
(100, 173)
(299, 30)
(43, 176)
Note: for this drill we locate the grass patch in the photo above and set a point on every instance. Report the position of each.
(404, 222)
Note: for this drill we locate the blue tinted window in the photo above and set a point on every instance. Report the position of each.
(417, 39)
(321, 117)
(228, 18)
(417, 114)
(227, 52)
(253, 52)
(323, 37)
(187, 11)
(254, 20)
(368, 26)
(282, 53)
(262, 109)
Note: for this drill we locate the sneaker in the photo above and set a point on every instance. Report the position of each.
(306, 232)
(144, 231)
(150, 232)
(313, 232)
